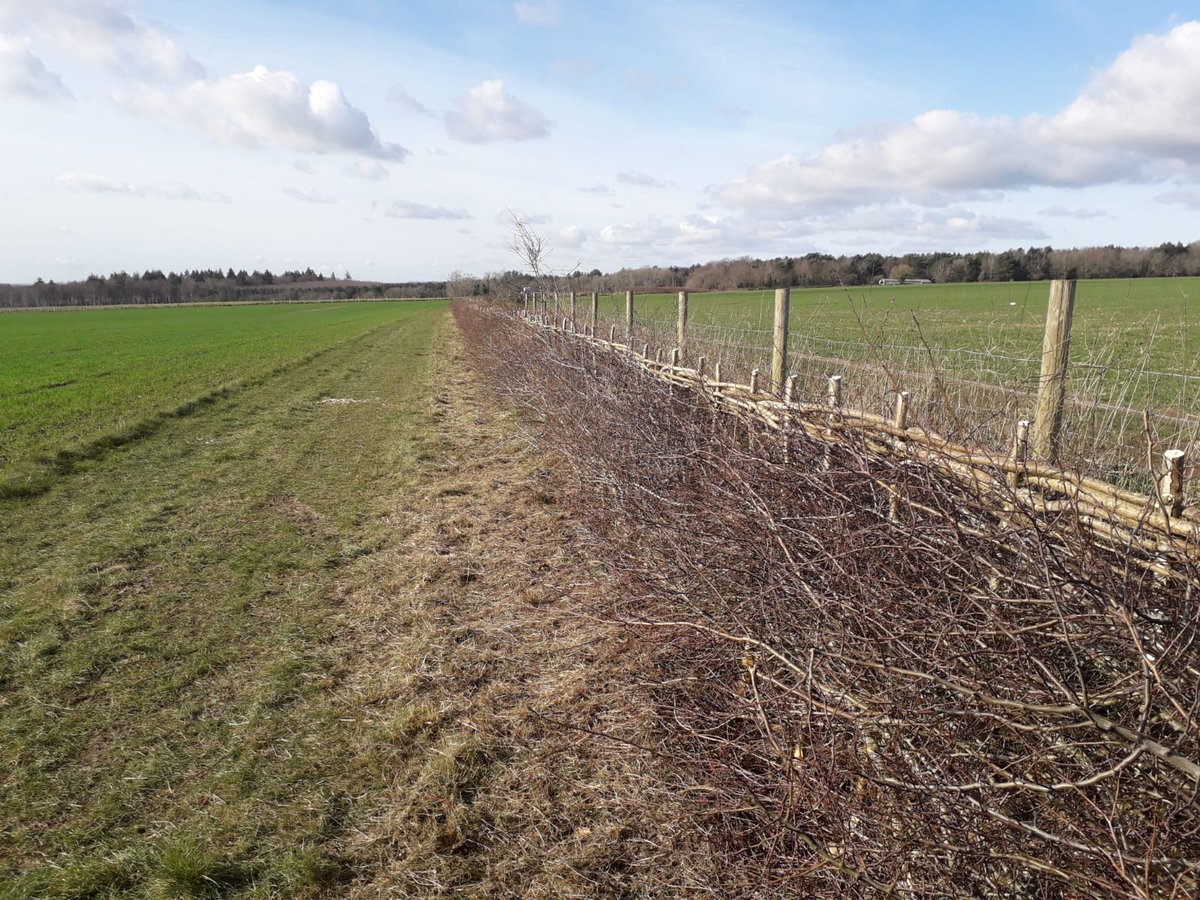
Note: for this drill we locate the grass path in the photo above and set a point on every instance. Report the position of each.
(288, 647)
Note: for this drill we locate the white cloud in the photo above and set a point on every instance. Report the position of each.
(505, 217)
(660, 234)
(962, 227)
(732, 234)
(265, 107)
(398, 94)
(90, 183)
(1145, 102)
(23, 74)
(307, 195)
(304, 166)
(1135, 121)
(601, 189)
(1189, 199)
(407, 209)
(641, 179)
(370, 169)
(489, 113)
(545, 13)
(102, 33)
(1064, 212)
(571, 236)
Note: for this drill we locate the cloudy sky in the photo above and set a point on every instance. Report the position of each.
(389, 137)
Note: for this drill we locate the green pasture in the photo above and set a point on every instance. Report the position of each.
(1135, 342)
(75, 383)
(176, 636)
(1152, 322)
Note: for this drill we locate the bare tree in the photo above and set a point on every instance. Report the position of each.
(531, 247)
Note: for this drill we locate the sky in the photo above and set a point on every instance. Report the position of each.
(394, 139)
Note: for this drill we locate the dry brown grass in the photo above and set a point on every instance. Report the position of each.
(513, 726)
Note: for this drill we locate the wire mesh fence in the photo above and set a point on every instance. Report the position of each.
(971, 374)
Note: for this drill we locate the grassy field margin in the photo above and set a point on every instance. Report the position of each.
(291, 647)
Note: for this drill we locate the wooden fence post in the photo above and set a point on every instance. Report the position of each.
(571, 298)
(788, 419)
(681, 320)
(835, 407)
(700, 361)
(900, 421)
(835, 392)
(754, 381)
(1052, 385)
(1020, 451)
(783, 302)
(595, 310)
(629, 314)
(1170, 487)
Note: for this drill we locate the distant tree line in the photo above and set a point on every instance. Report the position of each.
(825, 270)
(744, 273)
(208, 286)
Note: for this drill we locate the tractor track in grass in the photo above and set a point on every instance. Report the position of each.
(281, 647)
(50, 466)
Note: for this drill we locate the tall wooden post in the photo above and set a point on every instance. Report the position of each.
(783, 303)
(1052, 386)
(595, 310)
(1171, 484)
(835, 391)
(681, 324)
(835, 407)
(1020, 451)
(629, 314)
(571, 298)
(899, 421)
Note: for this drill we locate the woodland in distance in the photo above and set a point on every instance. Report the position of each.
(744, 273)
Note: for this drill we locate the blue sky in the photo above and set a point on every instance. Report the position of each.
(388, 139)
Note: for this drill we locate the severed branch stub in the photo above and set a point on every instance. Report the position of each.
(1171, 485)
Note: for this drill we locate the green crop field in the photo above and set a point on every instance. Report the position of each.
(73, 384)
(1153, 322)
(969, 354)
(308, 635)
(178, 612)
